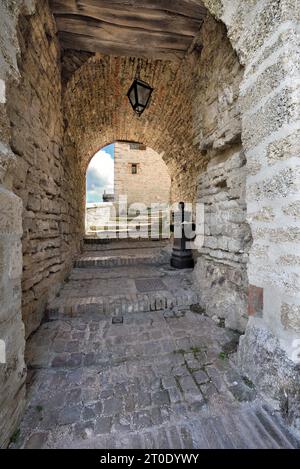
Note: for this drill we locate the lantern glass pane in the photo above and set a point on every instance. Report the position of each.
(132, 97)
(143, 94)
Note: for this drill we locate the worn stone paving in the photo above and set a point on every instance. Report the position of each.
(163, 377)
(159, 380)
(115, 289)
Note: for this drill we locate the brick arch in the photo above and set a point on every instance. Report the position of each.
(177, 140)
(106, 119)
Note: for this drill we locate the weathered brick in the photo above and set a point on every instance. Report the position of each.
(255, 301)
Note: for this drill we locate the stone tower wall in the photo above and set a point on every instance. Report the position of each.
(152, 182)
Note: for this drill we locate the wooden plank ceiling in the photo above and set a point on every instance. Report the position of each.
(162, 29)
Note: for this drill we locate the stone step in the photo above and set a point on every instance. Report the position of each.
(121, 304)
(118, 273)
(202, 433)
(92, 244)
(125, 286)
(127, 234)
(124, 257)
(244, 430)
(122, 226)
(138, 218)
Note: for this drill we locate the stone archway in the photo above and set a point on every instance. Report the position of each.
(201, 147)
(269, 108)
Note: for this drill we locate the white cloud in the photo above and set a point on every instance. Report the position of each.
(100, 176)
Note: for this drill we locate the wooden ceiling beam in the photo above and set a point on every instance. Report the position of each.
(190, 8)
(90, 44)
(143, 19)
(146, 28)
(127, 36)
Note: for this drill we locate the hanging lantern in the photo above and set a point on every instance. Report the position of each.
(139, 94)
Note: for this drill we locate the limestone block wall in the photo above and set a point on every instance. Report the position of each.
(40, 223)
(43, 178)
(152, 182)
(221, 270)
(271, 109)
(265, 35)
(12, 366)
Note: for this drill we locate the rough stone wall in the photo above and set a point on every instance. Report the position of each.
(271, 109)
(12, 371)
(265, 35)
(221, 269)
(152, 182)
(42, 178)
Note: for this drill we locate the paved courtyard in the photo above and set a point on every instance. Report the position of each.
(162, 378)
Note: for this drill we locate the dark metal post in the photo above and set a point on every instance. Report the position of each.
(182, 258)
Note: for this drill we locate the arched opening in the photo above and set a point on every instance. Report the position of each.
(126, 181)
(219, 127)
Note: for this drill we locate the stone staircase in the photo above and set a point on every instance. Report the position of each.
(123, 277)
(135, 227)
(122, 253)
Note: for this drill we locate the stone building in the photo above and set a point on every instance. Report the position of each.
(225, 118)
(98, 214)
(141, 175)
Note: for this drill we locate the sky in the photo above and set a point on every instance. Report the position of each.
(100, 174)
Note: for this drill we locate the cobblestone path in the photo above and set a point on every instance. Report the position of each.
(162, 378)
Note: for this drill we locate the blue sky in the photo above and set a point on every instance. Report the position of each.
(100, 174)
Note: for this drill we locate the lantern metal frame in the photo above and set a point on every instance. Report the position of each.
(139, 83)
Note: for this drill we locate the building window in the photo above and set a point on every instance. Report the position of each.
(134, 169)
(137, 146)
